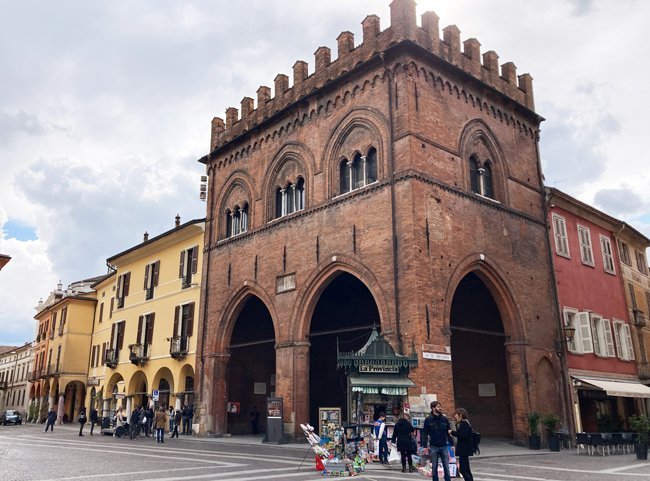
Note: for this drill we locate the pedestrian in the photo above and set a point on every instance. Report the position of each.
(170, 416)
(190, 417)
(435, 432)
(185, 416)
(81, 419)
(93, 419)
(255, 418)
(51, 419)
(464, 444)
(145, 420)
(177, 423)
(134, 424)
(403, 437)
(119, 421)
(381, 434)
(159, 423)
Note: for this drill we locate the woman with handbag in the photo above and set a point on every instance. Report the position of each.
(464, 448)
(403, 437)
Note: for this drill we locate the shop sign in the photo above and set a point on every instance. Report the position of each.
(437, 356)
(378, 368)
(234, 408)
(274, 408)
(93, 381)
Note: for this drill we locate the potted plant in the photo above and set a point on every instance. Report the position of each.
(641, 424)
(534, 440)
(550, 422)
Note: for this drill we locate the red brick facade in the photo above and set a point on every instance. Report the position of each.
(411, 237)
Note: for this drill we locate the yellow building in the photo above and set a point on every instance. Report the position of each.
(632, 247)
(65, 323)
(145, 326)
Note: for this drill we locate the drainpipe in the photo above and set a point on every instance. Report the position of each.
(391, 166)
(567, 405)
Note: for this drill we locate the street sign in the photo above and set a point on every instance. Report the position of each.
(155, 395)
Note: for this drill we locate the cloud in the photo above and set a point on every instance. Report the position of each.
(20, 122)
(621, 201)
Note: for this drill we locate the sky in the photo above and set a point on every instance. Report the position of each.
(105, 107)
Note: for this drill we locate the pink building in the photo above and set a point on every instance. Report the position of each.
(601, 360)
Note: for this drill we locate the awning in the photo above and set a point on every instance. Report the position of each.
(392, 385)
(617, 388)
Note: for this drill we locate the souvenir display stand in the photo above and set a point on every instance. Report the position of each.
(326, 462)
(377, 382)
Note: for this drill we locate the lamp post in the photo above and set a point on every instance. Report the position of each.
(569, 334)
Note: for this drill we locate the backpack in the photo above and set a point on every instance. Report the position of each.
(476, 440)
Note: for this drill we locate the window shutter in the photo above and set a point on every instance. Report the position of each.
(92, 356)
(617, 340)
(119, 286)
(113, 335)
(608, 337)
(150, 320)
(182, 264)
(195, 259)
(127, 281)
(156, 270)
(146, 276)
(64, 315)
(120, 335)
(103, 351)
(628, 340)
(110, 314)
(101, 312)
(190, 319)
(140, 321)
(585, 332)
(177, 310)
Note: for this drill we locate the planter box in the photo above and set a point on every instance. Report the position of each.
(534, 441)
(641, 450)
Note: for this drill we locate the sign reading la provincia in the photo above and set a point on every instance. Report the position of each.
(378, 368)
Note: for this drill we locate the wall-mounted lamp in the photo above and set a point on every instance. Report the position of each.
(569, 334)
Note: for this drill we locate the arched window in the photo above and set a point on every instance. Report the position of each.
(244, 219)
(486, 179)
(371, 166)
(473, 175)
(300, 194)
(480, 177)
(235, 220)
(358, 171)
(344, 174)
(228, 223)
(279, 202)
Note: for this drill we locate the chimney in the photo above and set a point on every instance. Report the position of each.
(403, 18)
(370, 29)
(145, 237)
(431, 24)
(59, 286)
(246, 106)
(451, 35)
(509, 72)
(178, 220)
(491, 61)
(231, 117)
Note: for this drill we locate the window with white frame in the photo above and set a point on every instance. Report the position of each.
(623, 339)
(602, 336)
(560, 235)
(586, 252)
(624, 253)
(582, 341)
(608, 258)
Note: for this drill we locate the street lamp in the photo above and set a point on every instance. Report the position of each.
(569, 334)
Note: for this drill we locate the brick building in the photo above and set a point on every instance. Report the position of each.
(399, 186)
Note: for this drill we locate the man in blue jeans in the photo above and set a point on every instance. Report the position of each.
(382, 435)
(435, 432)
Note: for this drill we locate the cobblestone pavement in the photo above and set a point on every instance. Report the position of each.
(29, 454)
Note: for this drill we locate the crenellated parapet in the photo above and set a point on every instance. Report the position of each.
(465, 55)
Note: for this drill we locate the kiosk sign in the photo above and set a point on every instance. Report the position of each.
(155, 395)
(378, 368)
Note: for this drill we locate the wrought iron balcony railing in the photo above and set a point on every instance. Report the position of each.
(148, 293)
(139, 353)
(178, 346)
(3, 385)
(639, 318)
(111, 357)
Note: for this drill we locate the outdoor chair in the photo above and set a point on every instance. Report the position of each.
(597, 442)
(618, 443)
(628, 441)
(583, 442)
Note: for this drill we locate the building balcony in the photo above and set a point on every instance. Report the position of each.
(120, 302)
(30, 376)
(638, 318)
(3, 385)
(60, 331)
(644, 370)
(139, 353)
(52, 334)
(111, 357)
(178, 346)
(148, 293)
(52, 370)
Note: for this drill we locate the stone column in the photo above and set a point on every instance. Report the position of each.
(218, 406)
(59, 411)
(129, 401)
(292, 370)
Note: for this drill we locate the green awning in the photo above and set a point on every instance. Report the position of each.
(391, 385)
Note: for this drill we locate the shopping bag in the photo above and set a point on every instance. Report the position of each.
(393, 456)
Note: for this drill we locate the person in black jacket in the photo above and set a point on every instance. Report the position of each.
(134, 425)
(464, 445)
(93, 419)
(436, 432)
(82, 420)
(51, 419)
(403, 437)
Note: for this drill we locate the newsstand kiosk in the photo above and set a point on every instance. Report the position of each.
(377, 380)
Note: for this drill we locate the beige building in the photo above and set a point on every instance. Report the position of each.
(632, 246)
(65, 323)
(145, 326)
(15, 365)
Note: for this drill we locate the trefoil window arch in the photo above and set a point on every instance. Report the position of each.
(358, 172)
(290, 198)
(480, 177)
(237, 220)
